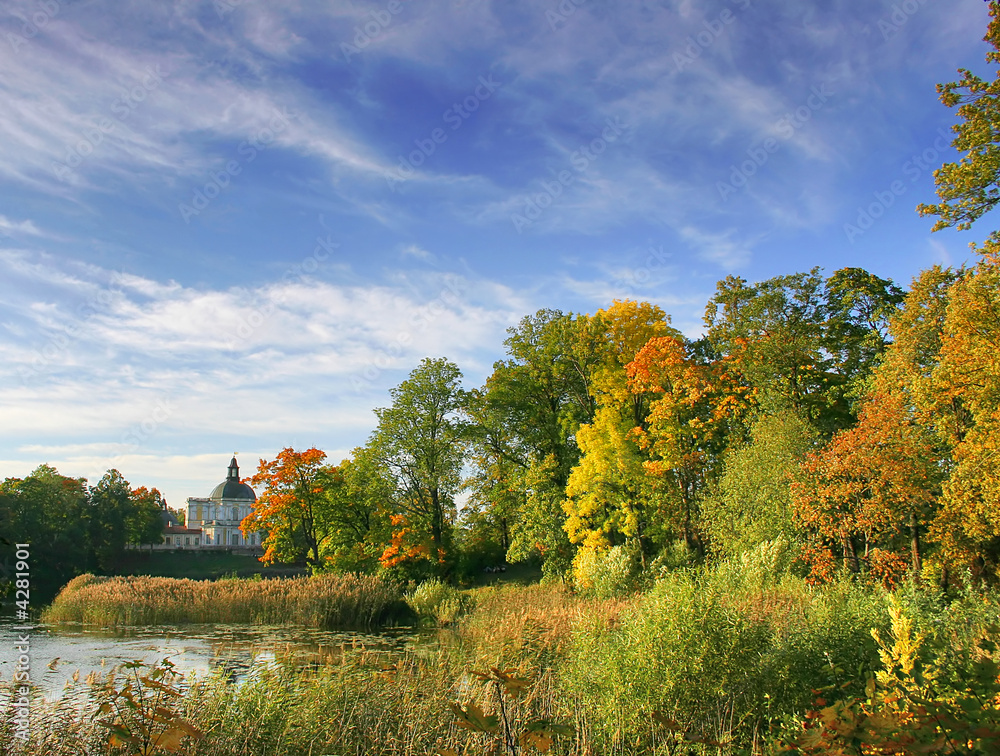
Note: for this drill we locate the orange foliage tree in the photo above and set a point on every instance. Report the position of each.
(867, 496)
(692, 407)
(294, 506)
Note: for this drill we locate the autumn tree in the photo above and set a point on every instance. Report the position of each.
(523, 436)
(419, 447)
(869, 494)
(968, 379)
(609, 496)
(804, 341)
(294, 506)
(692, 408)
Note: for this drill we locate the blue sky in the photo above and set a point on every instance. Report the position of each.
(232, 225)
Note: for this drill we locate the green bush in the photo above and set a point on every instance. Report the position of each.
(604, 574)
(725, 652)
(436, 601)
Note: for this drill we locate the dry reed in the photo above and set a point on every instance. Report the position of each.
(325, 601)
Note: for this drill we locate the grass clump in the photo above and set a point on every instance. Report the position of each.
(324, 601)
(436, 601)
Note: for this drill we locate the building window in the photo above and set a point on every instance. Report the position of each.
(187, 540)
(196, 541)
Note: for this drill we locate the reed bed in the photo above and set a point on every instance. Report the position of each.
(530, 627)
(359, 706)
(325, 601)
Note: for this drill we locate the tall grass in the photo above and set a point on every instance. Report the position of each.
(729, 652)
(325, 601)
(357, 707)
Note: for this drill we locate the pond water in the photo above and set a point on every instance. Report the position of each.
(58, 652)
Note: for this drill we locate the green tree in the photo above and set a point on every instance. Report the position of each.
(111, 510)
(145, 522)
(752, 500)
(419, 447)
(523, 440)
(970, 188)
(802, 341)
(49, 511)
(355, 520)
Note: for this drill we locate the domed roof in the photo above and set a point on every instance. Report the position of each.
(231, 488)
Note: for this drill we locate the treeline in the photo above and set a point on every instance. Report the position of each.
(853, 419)
(73, 527)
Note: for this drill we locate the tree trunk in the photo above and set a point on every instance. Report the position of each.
(851, 553)
(915, 545)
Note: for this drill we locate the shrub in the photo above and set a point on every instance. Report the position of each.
(605, 574)
(436, 601)
(723, 652)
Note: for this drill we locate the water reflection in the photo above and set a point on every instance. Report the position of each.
(60, 653)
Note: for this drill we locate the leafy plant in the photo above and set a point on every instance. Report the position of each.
(947, 704)
(143, 714)
(537, 733)
(436, 601)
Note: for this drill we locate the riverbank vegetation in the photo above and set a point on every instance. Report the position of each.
(729, 659)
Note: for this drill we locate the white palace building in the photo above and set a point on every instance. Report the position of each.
(214, 522)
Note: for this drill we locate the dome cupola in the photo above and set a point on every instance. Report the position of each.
(231, 488)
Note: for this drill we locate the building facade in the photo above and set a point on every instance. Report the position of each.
(218, 517)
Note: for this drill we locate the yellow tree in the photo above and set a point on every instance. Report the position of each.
(968, 376)
(609, 498)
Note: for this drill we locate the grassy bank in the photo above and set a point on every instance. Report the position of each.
(724, 660)
(328, 601)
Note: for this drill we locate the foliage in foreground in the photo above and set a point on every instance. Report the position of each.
(325, 601)
(724, 660)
